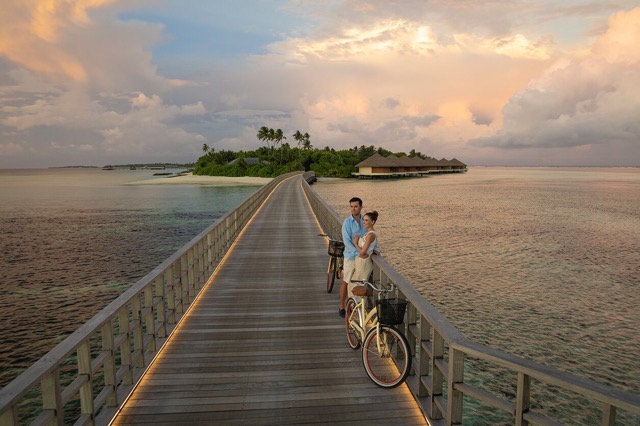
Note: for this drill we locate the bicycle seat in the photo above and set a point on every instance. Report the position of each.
(361, 291)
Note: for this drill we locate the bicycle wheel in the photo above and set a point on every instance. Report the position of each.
(386, 356)
(353, 336)
(331, 274)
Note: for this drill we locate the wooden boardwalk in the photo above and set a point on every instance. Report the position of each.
(263, 344)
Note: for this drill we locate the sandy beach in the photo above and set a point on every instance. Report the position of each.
(190, 179)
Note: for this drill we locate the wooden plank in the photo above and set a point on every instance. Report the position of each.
(263, 342)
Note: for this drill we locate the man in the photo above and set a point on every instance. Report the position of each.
(352, 226)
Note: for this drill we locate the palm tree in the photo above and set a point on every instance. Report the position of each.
(306, 143)
(278, 135)
(297, 136)
(265, 134)
(205, 148)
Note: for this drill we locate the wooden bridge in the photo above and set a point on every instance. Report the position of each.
(263, 342)
(236, 327)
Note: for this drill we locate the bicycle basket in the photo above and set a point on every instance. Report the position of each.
(391, 311)
(336, 248)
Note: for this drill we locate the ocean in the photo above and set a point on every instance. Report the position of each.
(73, 239)
(539, 262)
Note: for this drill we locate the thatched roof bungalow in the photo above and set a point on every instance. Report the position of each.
(392, 166)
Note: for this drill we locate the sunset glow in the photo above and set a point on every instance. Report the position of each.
(95, 82)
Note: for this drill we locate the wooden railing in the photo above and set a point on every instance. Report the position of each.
(85, 378)
(450, 372)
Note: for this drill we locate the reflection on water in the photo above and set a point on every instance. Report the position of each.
(72, 240)
(543, 263)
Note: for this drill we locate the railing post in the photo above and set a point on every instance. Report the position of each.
(217, 244)
(172, 296)
(200, 264)
(109, 364)
(126, 362)
(9, 417)
(138, 339)
(454, 396)
(437, 377)
(608, 415)
(177, 286)
(423, 356)
(227, 231)
(191, 280)
(86, 389)
(184, 280)
(149, 317)
(522, 398)
(52, 395)
(159, 302)
(209, 256)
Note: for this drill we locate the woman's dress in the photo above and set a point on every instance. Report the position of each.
(364, 267)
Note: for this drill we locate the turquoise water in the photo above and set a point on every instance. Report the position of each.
(540, 262)
(71, 240)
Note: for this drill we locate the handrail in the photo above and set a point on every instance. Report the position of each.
(90, 373)
(443, 358)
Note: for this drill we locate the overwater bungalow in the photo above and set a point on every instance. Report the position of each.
(404, 166)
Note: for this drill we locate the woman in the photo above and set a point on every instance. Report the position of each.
(365, 245)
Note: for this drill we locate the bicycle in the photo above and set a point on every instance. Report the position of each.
(334, 270)
(385, 350)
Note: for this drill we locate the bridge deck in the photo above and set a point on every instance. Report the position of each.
(263, 344)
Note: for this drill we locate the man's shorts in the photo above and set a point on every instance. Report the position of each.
(348, 268)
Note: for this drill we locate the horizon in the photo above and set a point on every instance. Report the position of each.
(542, 84)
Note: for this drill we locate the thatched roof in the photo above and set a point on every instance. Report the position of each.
(416, 161)
(432, 162)
(376, 160)
(393, 161)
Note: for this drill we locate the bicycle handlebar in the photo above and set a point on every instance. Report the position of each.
(330, 239)
(373, 286)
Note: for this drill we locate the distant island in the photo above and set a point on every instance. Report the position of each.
(134, 166)
(278, 157)
(75, 167)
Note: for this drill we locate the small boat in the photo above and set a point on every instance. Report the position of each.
(132, 168)
(108, 168)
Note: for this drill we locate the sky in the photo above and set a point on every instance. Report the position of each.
(500, 82)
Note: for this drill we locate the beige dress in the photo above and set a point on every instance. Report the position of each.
(364, 267)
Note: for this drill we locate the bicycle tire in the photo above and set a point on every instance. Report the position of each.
(353, 337)
(391, 368)
(331, 274)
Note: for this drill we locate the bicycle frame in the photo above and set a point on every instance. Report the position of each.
(383, 346)
(334, 269)
(363, 318)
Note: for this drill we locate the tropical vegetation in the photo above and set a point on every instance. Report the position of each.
(277, 157)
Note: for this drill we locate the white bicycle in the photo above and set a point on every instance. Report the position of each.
(385, 351)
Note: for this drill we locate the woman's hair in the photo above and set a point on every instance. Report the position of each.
(372, 215)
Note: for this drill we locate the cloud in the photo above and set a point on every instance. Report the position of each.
(514, 46)
(588, 106)
(108, 81)
(74, 81)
